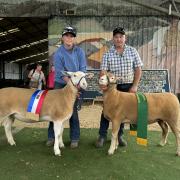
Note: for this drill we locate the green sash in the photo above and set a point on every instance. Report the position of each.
(141, 126)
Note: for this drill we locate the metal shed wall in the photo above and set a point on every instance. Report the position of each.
(157, 39)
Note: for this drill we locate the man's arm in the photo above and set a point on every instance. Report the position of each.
(137, 77)
(137, 71)
(30, 74)
(43, 78)
(104, 65)
(59, 67)
(82, 60)
(104, 69)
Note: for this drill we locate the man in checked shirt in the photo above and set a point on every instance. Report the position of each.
(123, 61)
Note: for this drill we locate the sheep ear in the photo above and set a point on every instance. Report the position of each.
(69, 73)
(89, 75)
(66, 73)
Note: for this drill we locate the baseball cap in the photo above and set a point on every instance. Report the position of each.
(70, 30)
(118, 30)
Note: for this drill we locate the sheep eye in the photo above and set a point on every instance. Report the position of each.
(74, 75)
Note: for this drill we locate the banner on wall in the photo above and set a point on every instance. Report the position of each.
(152, 81)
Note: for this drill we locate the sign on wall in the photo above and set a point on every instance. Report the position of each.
(152, 81)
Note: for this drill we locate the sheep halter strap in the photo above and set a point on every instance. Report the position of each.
(35, 104)
(77, 83)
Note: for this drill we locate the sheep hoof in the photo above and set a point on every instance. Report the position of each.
(57, 153)
(178, 154)
(62, 146)
(162, 144)
(12, 143)
(110, 152)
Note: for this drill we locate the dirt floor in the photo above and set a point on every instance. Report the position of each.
(89, 116)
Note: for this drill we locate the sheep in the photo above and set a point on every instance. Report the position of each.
(57, 107)
(121, 107)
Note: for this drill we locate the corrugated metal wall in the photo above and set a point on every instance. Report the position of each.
(150, 30)
(12, 71)
(156, 38)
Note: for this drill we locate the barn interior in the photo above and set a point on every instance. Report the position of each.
(23, 41)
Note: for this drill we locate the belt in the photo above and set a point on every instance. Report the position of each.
(124, 84)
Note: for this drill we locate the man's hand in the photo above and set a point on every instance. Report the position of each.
(66, 78)
(78, 94)
(133, 89)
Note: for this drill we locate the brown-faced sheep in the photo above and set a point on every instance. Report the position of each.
(121, 107)
(57, 107)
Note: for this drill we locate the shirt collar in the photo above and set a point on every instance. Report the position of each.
(73, 49)
(113, 49)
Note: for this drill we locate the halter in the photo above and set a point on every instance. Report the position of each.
(110, 82)
(78, 82)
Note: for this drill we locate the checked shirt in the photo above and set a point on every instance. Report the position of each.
(122, 65)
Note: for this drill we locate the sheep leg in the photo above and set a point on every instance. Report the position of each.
(61, 144)
(114, 138)
(164, 128)
(174, 128)
(117, 144)
(57, 132)
(8, 130)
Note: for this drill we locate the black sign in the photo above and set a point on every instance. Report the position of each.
(152, 81)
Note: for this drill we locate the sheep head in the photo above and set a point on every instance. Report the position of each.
(107, 79)
(77, 78)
